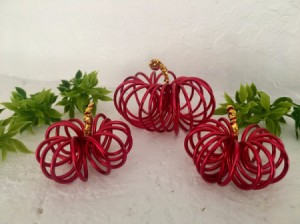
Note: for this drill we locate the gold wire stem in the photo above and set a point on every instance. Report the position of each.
(87, 119)
(232, 117)
(156, 64)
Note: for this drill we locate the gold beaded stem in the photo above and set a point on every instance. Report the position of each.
(232, 117)
(156, 64)
(87, 118)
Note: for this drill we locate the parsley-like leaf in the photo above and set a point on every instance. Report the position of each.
(34, 110)
(7, 141)
(79, 91)
(254, 106)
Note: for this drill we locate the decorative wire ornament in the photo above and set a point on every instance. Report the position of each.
(182, 102)
(69, 145)
(254, 162)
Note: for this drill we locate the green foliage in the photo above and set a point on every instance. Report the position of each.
(254, 106)
(79, 91)
(296, 116)
(34, 110)
(7, 141)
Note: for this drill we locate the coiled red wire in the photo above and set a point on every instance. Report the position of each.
(65, 152)
(254, 162)
(184, 102)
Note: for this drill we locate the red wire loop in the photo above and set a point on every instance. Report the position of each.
(164, 107)
(64, 153)
(254, 162)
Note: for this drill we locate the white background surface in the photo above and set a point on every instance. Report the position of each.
(224, 42)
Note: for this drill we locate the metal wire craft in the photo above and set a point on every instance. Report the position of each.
(178, 102)
(254, 162)
(69, 146)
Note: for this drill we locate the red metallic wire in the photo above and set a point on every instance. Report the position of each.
(254, 162)
(64, 153)
(182, 103)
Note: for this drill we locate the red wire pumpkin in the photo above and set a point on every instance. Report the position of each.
(254, 162)
(182, 102)
(69, 145)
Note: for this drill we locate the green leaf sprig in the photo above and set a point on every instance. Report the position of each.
(7, 141)
(34, 110)
(254, 106)
(295, 115)
(79, 91)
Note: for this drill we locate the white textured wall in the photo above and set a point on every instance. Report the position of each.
(218, 40)
(224, 42)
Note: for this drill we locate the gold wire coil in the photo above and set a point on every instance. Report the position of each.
(156, 64)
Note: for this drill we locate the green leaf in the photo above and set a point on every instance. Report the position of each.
(244, 109)
(27, 128)
(72, 112)
(283, 99)
(9, 147)
(3, 154)
(254, 89)
(40, 121)
(249, 92)
(97, 91)
(237, 97)
(63, 102)
(243, 93)
(252, 104)
(228, 98)
(72, 94)
(282, 120)
(94, 109)
(265, 101)
(10, 106)
(30, 103)
(82, 102)
(103, 91)
(224, 105)
(296, 116)
(15, 128)
(39, 113)
(278, 113)
(67, 108)
(255, 119)
(65, 84)
(54, 113)
(21, 92)
(286, 105)
(105, 98)
(220, 111)
(62, 89)
(6, 121)
(78, 74)
(1, 110)
(20, 146)
(92, 79)
(2, 130)
(40, 97)
(277, 128)
(270, 125)
(16, 96)
(22, 117)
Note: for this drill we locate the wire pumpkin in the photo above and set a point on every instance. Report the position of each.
(256, 161)
(69, 146)
(177, 102)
